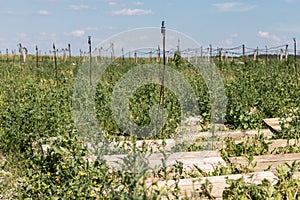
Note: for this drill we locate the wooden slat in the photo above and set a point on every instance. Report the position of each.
(205, 160)
(151, 145)
(276, 144)
(273, 144)
(187, 186)
(263, 162)
(273, 123)
(236, 135)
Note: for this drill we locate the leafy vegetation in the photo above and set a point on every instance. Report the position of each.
(36, 109)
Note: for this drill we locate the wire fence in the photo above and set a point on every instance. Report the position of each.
(281, 52)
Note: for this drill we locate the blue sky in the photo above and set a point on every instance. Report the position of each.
(217, 22)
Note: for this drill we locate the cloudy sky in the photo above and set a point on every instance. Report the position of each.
(217, 22)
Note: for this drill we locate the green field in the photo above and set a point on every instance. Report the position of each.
(36, 109)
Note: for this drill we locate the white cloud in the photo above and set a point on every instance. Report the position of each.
(21, 34)
(138, 3)
(112, 3)
(44, 34)
(234, 35)
(7, 12)
(78, 7)
(227, 41)
(132, 12)
(91, 28)
(42, 12)
(267, 35)
(78, 33)
(233, 7)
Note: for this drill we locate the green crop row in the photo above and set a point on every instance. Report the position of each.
(36, 106)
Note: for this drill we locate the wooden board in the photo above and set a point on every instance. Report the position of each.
(151, 145)
(263, 162)
(205, 160)
(236, 135)
(187, 186)
(273, 124)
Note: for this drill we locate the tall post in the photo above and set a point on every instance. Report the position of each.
(20, 51)
(37, 56)
(266, 55)
(112, 51)
(55, 63)
(295, 60)
(14, 55)
(210, 53)
(244, 52)
(286, 53)
(90, 56)
(255, 54)
(158, 54)
(7, 55)
(135, 57)
(163, 32)
(69, 49)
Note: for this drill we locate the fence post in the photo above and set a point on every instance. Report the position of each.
(286, 53)
(295, 60)
(135, 57)
(281, 54)
(158, 54)
(112, 51)
(55, 63)
(244, 53)
(266, 55)
(90, 57)
(7, 55)
(69, 50)
(210, 53)
(37, 56)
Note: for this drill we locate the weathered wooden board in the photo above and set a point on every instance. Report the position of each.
(188, 186)
(276, 144)
(150, 145)
(273, 144)
(205, 160)
(273, 124)
(236, 135)
(263, 162)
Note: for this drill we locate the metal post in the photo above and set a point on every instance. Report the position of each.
(286, 53)
(210, 53)
(295, 60)
(266, 55)
(90, 55)
(163, 32)
(7, 55)
(69, 49)
(37, 56)
(55, 63)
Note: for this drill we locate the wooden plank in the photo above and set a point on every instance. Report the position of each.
(150, 145)
(273, 124)
(276, 144)
(273, 144)
(263, 162)
(205, 160)
(188, 186)
(236, 135)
